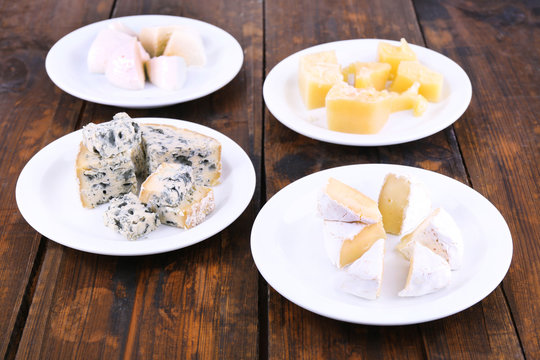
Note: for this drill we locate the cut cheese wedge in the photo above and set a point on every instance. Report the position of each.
(120, 26)
(154, 39)
(403, 202)
(428, 272)
(125, 68)
(410, 99)
(347, 242)
(105, 43)
(188, 44)
(440, 233)
(317, 73)
(409, 72)
(363, 278)
(340, 202)
(367, 74)
(357, 111)
(394, 55)
(167, 72)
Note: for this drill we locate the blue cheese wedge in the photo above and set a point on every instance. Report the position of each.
(101, 179)
(179, 201)
(169, 144)
(112, 137)
(128, 216)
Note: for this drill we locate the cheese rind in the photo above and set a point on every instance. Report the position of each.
(103, 178)
(428, 272)
(125, 67)
(440, 233)
(169, 144)
(341, 202)
(188, 44)
(404, 202)
(171, 192)
(363, 278)
(345, 242)
(128, 216)
(167, 72)
(155, 39)
(106, 41)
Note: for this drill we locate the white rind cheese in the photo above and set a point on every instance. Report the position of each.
(428, 272)
(335, 233)
(128, 216)
(440, 233)
(363, 278)
(178, 200)
(101, 179)
(169, 144)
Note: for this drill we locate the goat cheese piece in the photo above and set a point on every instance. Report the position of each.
(128, 216)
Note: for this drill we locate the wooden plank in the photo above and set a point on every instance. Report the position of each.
(200, 301)
(30, 118)
(499, 135)
(294, 332)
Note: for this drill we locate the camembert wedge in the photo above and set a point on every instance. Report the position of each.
(428, 272)
(440, 233)
(340, 202)
(404, 202)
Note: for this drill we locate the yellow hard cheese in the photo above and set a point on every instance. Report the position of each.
(410, 99)
(317, 73)
(431, 82)
(357, 111)
(367, 74)
(393, 55)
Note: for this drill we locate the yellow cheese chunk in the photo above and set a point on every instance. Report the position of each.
(354, 248)
(361, 205)
(393, 55)
(431, 82)
(357, 111)
(367, 74)
(317, 73)
(410, 99)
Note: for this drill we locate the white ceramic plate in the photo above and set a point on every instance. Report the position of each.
(287, 246)
(282, 97)
(48, 198)
(67, 67)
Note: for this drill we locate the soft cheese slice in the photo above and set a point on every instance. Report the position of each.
(428, 272)
(105, 43)
(166, 143)
(345, 242)
(440, 233)
(188, 44)
(404, 202)
(128, 216)
(102, 178)
(170, 192)
(155, 39)
(340, 202)
(167, 72)
(317, 73)
(125, 67)
(357, 111)
(363, 277)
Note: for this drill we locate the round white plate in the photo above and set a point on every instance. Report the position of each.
(287, 246)
(48, 198)
(282, 97)
(67, 67)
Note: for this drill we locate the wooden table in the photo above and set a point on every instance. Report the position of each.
(208, 301)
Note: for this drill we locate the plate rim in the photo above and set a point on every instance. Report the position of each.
(272, 279)
(365, 140)
(243, 202)
(156, 102)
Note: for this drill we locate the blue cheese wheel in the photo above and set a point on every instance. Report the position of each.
(178, 200)
(129, 217)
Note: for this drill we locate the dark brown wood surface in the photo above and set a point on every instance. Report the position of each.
(208, 301)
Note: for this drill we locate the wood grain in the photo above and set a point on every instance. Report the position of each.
(197, 302)
(499, 135)
(30, 118)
